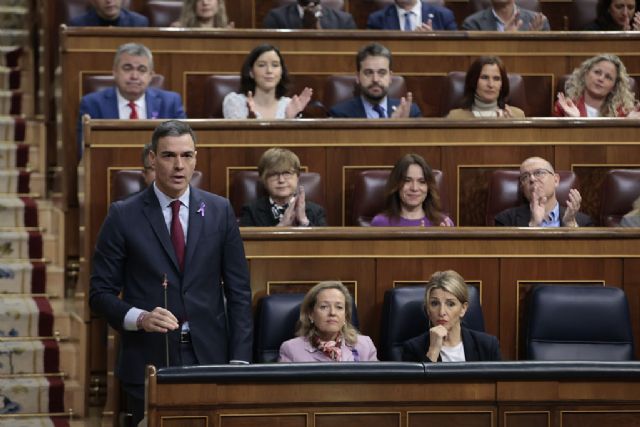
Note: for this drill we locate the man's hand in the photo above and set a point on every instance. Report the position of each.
(573, 206)
(537, 204)
(403, 110)
(311, 16)
(425, 26)
(568, 107)
(537, 23)
(159, 320)
(513, 24)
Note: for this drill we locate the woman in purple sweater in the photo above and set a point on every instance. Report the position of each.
(412, 199)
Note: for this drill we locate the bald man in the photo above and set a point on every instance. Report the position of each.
(538, 182)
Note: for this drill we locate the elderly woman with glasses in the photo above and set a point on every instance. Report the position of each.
(538, 182)
(285, 204)
(325, 332)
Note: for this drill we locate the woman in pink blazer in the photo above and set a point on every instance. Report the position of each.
(325, 332)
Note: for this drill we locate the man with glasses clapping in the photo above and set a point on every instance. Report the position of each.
(538, 182)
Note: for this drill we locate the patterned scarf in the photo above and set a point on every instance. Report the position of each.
(332, 349)
(276, 210)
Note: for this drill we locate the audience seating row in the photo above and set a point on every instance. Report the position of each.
(561, 325)
(621, 188)
(162, 13)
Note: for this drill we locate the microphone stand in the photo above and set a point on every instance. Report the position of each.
(165, 283)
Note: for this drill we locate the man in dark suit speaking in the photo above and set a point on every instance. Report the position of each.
(131, 97)
(373, 78)
(189, 239)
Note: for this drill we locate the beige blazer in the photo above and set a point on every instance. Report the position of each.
(464, 114)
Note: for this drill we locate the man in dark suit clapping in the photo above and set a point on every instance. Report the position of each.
(189, 239)
(308, 14)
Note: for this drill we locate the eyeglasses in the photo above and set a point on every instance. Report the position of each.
(305, 3)
(537, 174)
(277, 175)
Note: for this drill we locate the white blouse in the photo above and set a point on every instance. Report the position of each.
(234, 106)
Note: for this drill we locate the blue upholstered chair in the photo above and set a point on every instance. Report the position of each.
(403, 317)
(567, 322)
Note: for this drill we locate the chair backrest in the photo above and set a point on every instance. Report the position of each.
(94, 83)
(403, 317)
(341, 87)
(582, 13)
(455, 92)
(368, 195)
(216, 88)
(276, 319)
(567, 322)
(246, 186)
(163, 13)
(620, 189)
(130, 181)
(504, 191)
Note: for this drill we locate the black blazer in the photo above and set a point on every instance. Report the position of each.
(258, 214)
(354, 108)
(478, 347)
(287, 17)
(521, 215)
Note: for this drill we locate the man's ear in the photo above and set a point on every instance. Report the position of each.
(556, 179)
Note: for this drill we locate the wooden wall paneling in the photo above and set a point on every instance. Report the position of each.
(394, 272)
(517, 275)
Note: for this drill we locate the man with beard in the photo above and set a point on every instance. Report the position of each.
(412, 15)
(373, 78)
(131, 97)
(109, 13)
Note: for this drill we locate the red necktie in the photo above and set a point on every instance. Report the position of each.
(134, 112)
(177, 234)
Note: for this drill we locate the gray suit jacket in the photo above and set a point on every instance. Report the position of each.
(287, 17)
(485, 20)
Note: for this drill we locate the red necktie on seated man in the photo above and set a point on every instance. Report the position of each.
(134, 111)
(177, 233)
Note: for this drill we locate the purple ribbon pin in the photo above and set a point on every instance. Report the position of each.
(201, 209)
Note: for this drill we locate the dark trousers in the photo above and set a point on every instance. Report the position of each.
(134, 393)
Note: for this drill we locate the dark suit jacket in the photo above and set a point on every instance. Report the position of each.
(258, 214)
(485, 20)
(161, 104)
(521, 215)
(478, 347)
(288, 17)
(127, 18)
(133, 254)
(354, 108)
(387, 18)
